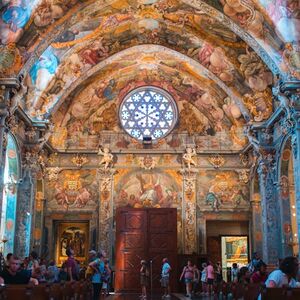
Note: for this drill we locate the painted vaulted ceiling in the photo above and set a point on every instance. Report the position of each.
(218, 59)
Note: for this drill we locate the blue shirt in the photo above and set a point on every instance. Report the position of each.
(96, 278)
(165, 270)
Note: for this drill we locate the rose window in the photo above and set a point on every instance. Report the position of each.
(148, 113)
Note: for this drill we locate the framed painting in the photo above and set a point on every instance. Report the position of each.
(74, 236)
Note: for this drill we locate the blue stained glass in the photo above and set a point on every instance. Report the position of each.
(148, 112)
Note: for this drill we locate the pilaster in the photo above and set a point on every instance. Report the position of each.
(189, 211)
(270, 208)
(105, 230)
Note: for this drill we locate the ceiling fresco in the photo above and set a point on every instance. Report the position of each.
(97, 38)
(204, 107)
(220, 53)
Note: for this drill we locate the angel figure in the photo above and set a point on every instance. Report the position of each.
(188, 157)
(107, 158)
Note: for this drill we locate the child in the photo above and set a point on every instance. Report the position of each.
(204, 278)
(234, 273)
(144, 272)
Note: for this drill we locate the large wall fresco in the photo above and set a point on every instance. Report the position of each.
(147, 189)
(73, 190)
(221, 190)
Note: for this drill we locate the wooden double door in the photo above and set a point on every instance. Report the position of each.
(149, 234)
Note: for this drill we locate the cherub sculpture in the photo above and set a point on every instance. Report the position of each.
(107, 158)
(188, 157)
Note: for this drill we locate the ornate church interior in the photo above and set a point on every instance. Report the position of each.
(150, 129)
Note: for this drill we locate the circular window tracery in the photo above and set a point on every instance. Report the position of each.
(148, 112)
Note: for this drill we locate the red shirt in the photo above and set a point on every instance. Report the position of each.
(259, 278)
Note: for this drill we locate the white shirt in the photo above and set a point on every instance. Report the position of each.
(280, 279)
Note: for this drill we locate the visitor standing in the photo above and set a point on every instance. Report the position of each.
(144, 274)
(196, 279)
(210, 277)
(234, 273)
(204, 278)
(71, 265)
(98, 266)
(165, 278)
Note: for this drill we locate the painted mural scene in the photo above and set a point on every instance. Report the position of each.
(149, 149)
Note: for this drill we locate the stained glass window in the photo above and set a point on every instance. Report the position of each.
(148, 112)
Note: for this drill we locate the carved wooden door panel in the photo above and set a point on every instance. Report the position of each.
(131, 243)
(149, 234)
(162, 242)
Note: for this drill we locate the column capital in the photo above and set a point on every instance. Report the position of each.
(9, 82)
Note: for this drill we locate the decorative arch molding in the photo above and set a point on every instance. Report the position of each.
(75, 85)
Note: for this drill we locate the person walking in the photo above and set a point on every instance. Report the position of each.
(188, 275)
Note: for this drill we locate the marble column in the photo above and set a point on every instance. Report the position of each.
(24, 215)
(257, 245)
(285, 219)
(271, 240)
(189, 211)
(296, 151)
(38, 218)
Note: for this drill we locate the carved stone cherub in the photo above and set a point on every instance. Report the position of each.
(107, 158)
(188, 157)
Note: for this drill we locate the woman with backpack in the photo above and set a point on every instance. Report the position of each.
(97, 278)
(188, 275)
